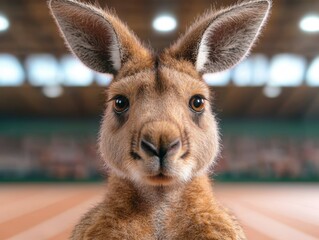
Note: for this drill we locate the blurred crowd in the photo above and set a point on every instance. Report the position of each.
(55, 157)
(270, 158)
(64, 157)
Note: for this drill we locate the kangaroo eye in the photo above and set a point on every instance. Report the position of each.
(197, 103)
(120, 104)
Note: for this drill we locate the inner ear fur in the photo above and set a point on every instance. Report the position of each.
(97, 37)
(219, 40)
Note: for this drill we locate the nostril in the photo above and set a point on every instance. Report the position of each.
(174, 145)
(149, 148)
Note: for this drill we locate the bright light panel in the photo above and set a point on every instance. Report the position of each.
(313, 73)
(52, 91)
(164, 23)
(43, 69)
(287, 70)
(310, 23)
(11, 71)
(75, 73)
(271, 92)
(260, 69)
(103, 79)
(251, 72)
(242, 73)
(4, 23)
(217, 79)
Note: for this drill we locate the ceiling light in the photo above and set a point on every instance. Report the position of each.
(52, 91)
(103, 79)
(4, 23)
(271, 92)
(43, 69)
(11, 71)
(313, 73)
(75, 72)
(242, 73)
(310, 23)
(287, 70)
(217, 79)
(260, 69)
(164, 23)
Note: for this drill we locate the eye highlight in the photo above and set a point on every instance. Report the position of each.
(197, 103)
(120, 104)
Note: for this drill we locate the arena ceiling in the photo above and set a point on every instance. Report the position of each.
(32, 30)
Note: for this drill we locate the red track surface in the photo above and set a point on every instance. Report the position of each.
(49, 211)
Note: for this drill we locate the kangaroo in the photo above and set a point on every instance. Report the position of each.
(159, 136)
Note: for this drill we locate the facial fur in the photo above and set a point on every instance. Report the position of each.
(159, 107)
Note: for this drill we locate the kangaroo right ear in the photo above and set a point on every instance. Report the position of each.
(220, 40)
(98, 38)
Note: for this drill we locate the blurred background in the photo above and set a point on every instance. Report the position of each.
(268, 108)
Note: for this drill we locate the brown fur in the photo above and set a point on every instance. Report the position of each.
(127, 212)
(160, 149)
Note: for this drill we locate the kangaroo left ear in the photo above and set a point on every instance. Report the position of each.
(218, 41)
(97, 37)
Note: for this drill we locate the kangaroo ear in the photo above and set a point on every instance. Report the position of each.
(98, 38)
(218, 41)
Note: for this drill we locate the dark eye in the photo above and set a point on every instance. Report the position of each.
(120, 104)
(197, 103)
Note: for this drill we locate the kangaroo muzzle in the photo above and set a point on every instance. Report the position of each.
(160, 140)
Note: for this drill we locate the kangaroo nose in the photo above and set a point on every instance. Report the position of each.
(162, 149)
(149, 148)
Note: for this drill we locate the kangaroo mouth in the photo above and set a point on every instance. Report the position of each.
(160, 178)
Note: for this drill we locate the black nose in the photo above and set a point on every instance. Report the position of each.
(162, 150)
(149, 148)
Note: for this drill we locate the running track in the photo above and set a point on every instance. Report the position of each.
(267, 212)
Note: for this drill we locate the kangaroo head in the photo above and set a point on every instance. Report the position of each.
(158, 127)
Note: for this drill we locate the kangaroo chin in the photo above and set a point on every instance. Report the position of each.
(159, 136)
